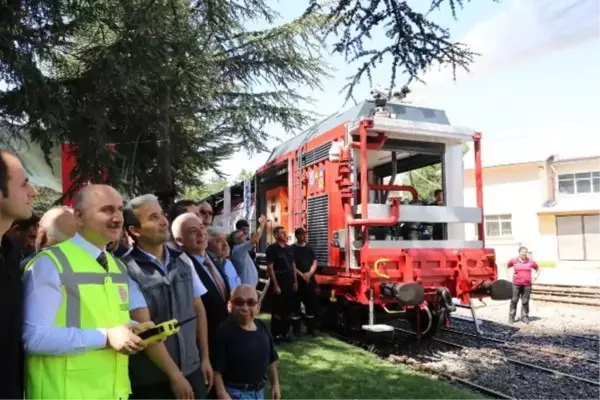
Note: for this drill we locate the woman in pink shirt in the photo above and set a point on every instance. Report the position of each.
(522, 280)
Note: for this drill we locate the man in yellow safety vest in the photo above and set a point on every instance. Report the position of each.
(77, 332)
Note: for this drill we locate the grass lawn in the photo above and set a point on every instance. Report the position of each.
(326, 368)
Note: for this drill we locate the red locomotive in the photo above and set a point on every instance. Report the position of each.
(376, 259)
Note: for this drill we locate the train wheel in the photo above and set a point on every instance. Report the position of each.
(436, 319)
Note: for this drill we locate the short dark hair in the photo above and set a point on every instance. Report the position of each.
(179, 207)
(277, 229)
(130, 217)
(241, 224)
(3, 173)
(437, 191)
(299, 231)
(26, 224)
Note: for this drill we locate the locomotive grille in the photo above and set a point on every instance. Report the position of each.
(315, 155)
(318, 227)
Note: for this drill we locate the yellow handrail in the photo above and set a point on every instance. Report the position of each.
(376, 267)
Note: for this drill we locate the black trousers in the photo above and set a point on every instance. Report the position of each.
(163, 390)
(307, 294)
(283, 308)
(522, 292)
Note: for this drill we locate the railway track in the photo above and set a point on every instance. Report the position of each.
(576, 376)
(507, 363)
(568, 294)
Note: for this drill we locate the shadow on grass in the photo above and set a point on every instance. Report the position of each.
(324, 367)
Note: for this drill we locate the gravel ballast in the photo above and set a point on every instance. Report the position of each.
(560, 337)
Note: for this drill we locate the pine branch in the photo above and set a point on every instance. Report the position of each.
(415, 42)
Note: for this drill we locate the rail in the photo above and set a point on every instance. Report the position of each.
(567, 294)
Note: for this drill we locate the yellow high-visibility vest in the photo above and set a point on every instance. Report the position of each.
(92, 298)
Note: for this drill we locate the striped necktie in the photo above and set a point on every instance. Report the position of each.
(216, 277)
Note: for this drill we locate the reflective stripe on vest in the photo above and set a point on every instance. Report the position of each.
(71, 281)
(92, 298)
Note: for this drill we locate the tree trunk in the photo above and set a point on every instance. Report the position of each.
(165, 185)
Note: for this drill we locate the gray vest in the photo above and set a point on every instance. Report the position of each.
(169, 296)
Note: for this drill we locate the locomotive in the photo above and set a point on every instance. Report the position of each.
(337, 180)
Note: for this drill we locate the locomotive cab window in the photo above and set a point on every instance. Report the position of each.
(416, 168)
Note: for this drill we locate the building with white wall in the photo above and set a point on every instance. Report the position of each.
(540, 194)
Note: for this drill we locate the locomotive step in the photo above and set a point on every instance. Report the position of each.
(378, 328)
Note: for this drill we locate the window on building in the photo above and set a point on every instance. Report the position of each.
(498, 225)
(583, 182)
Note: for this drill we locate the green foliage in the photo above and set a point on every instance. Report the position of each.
(414, 42)
(214, 185)
(426, 180)
(169, 78)
(46, 199)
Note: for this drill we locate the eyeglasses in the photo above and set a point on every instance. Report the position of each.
(240, 302)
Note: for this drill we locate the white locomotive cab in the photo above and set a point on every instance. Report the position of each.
(410, 140)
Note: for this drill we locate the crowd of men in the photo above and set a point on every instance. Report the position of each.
(81, 285)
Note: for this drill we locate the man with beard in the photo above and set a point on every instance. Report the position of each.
(23, 233)
(77, 302)
(244, 351)
(16, 195)
(306, 266)
(172, 290)
(284, 281)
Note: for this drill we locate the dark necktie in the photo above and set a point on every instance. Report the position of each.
(103, 261)
(216, 277)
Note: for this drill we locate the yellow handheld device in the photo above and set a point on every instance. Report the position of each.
(163, 330)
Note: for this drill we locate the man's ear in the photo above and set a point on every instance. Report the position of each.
(133, 231)
(41, 240)
(229, 307)
(179, 242)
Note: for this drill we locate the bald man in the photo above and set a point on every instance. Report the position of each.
(89, 330)
(244, 351)
(57, 225)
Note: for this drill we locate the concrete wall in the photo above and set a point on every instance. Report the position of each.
(521, 190)
(515, 190)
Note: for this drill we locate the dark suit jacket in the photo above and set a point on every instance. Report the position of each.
(216, 307)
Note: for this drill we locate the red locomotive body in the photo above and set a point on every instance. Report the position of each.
(376, 261)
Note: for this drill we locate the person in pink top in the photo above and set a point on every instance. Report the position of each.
(521, 268)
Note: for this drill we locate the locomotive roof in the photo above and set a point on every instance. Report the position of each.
(402, 111)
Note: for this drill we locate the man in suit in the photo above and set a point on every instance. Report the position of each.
(218, 251)
(190, 235)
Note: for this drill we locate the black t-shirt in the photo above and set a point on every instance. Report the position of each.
(242, 356)
(282, 259)
(304, 257)
(11, 320)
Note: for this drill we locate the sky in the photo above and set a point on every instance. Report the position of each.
(537, 76)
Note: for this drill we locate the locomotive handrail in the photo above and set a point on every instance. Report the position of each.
(389, 220)
(399, 188)
(427, 214)
(376, 268)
